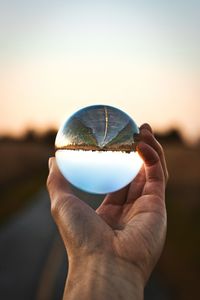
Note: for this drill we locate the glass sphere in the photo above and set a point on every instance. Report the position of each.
(96, 149)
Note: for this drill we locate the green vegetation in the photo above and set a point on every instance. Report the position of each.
(78, 133)
(124, 136)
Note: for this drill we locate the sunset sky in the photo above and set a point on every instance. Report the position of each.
(141, 56)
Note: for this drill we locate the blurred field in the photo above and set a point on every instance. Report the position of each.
(180, 261)
(24, 169)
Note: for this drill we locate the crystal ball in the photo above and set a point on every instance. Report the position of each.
(96, 149)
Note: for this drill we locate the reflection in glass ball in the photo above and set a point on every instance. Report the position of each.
(95, 149)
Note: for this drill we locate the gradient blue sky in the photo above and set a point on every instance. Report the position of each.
(58, 56)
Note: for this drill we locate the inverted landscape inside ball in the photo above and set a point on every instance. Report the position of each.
(96, 149)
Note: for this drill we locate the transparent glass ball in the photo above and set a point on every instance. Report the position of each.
(96, 149)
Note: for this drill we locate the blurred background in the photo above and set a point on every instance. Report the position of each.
(55, 58)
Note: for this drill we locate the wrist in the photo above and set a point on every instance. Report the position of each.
(103, 277)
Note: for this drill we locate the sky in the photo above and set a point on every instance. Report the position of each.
(140, 56)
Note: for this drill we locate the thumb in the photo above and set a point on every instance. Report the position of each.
(63, 202)
(59, 189)
(56, 183)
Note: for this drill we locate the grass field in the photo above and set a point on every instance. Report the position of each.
(23, 171)
(180, 261)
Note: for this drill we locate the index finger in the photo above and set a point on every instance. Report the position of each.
(148, 137)
(155, 180)
(56, 183)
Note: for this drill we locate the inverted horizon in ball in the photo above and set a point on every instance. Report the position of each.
(96, 149)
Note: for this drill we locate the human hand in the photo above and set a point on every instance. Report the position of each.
(120, 243)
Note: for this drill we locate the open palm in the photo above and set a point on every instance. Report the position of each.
(130, 224)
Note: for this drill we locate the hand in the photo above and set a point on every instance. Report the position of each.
(120, 243)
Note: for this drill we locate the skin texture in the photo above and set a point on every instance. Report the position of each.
(113, 250)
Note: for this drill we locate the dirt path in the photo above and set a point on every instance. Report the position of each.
(33, 262)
